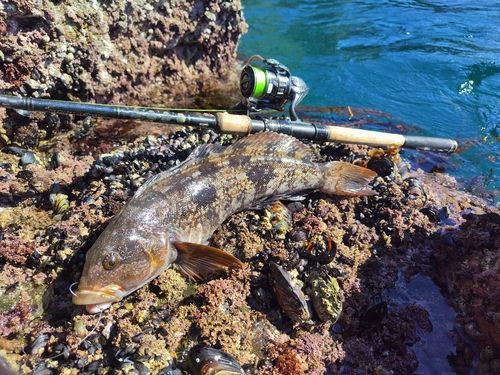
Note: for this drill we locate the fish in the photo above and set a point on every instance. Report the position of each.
(172, 215)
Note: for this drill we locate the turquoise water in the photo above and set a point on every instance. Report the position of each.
(433, 64)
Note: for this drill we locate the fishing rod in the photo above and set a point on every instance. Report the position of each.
(271, 86)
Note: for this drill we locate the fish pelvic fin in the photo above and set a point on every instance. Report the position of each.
(347, 179)
(199, 261)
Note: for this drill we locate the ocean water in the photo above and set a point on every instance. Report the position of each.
(434, 65)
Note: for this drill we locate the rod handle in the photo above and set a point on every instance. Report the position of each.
(233, 124)
(365, 137)
(379, 139)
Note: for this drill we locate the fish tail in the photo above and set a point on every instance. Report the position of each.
(346, 179)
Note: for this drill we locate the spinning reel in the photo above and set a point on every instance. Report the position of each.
(271, 86)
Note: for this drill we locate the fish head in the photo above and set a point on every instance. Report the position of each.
(118, 264)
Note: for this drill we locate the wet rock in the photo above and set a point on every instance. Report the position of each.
(375, 239)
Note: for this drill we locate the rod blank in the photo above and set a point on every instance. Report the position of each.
(233, 124)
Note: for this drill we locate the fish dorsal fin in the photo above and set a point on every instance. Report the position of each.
(272, 144)
(199, 261)
(205, 151)
(200, 152)
(259, 144)
(148, 182)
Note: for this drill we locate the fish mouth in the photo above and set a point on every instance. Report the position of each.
(97, 300)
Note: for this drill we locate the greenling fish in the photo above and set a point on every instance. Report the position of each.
(175, 212)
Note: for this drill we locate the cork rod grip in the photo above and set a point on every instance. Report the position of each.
(233, 124)
(365, 137)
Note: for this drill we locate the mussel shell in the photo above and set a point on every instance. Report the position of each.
(321, 249)
(383, 166)
(60, 203)
(289, 296)
(5, 368)
(205, 360)
(37, 347)
(414, 190)
(403, 169)
(56, 160)
(432, 213)
(29, 158)
(43, 369)
(490, 217)
(375, 314)
(324, 291)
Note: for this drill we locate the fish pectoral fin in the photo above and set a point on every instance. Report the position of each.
(198, 261)
(347, 179)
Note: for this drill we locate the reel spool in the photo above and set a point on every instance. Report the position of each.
(271, 86)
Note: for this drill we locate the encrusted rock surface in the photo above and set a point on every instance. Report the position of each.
(118, 51)
(377, 240)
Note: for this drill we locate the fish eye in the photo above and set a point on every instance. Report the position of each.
(111, 260)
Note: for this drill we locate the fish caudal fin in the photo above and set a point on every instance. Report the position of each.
(198, 261)
(347, 179)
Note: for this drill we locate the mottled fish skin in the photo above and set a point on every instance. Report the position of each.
(188, 202)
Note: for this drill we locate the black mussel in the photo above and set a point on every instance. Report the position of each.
(490, 217)
(383, 166)
(170, 370)
(403, 169)
(414, 190)
(295, 206)
(444, 215)
(56, 160)
(298, 234)
(82, 362)
(37, 347)
(94, 366)
(29, 158)
(15, 150)
(61, 349)
(289, 296)
(43, 369)
(431, 213)
(205, 360)
(374, 315)
(24, 174)
(34, 259)
(36, 74)
(5, 367)
(141, 368)
(51, 124)
(321, 249)
(122, 354)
